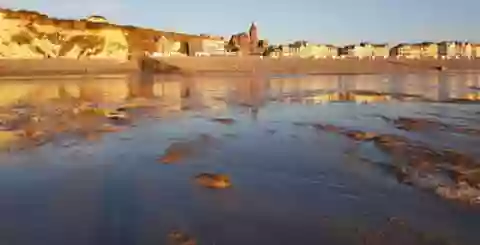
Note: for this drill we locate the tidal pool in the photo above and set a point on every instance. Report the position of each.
(363, 159)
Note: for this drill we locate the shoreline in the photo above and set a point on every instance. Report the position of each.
(230, 65)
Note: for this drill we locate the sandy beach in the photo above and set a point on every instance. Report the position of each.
(320, 66)
(39, 67)
(232, 64)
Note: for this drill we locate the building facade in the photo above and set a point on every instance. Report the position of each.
(206, 47)
(319, 51)
(454, 49)
(415, 50)
(213, 47)
(247, 42)
(380, 51)
(364, 51)
(166, 47)
(475, 50)
(429, 50)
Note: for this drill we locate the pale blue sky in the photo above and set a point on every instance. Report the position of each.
(325, 21)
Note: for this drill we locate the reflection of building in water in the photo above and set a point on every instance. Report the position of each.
(345, 83)
(311, 83)
(396, 83)
(367, 82)
(323, 89)
(425, 85)
(346, 96)
(456, 86)
(182, 93)
(443, 87)
(369, 98)
(284, 85)
(412, 84)
(251, 91)
(103, 89)
(430, 86)
(141, 85)
(471, 81)
(213, 92)
(323, 98)
(279, 86)
(169, 91)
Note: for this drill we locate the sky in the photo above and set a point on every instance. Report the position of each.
(280, 21)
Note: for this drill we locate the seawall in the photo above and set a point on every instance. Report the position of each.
(321, 66)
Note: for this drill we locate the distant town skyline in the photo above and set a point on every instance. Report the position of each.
(337, 22)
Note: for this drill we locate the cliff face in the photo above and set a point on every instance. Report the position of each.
(32, 35)
(27, 35)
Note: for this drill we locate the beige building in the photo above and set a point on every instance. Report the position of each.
(415, 50)
(476, 50)
(290, 50)
(360, 51)
(429, 50)
(380, 50)
(453, 49)
(365, 50)
(166, 47)
(319, 51)
(405, 50)
(207, 47)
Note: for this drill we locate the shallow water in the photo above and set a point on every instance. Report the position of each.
(79, 183)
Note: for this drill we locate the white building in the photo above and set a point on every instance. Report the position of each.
(319, 51)
(213, 47)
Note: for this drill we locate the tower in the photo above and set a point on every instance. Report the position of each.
(253, 33)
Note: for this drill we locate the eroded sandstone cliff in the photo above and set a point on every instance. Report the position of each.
(27, 35)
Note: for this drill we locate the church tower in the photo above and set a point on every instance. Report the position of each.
(253, 33)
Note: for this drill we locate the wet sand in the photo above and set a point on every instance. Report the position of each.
(364, 159)
(228, 65)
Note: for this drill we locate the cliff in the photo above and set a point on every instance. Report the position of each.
(32, 35)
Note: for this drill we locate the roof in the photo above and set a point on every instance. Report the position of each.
(96, 17)
(350, 46)
(325, 44)
(455, 42)
(380, 45)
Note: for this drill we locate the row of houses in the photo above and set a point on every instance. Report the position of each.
(443, 50)
(193, 47)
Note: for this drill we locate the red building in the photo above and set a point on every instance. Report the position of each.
(246, 42)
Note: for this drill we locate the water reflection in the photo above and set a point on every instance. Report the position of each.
(246, 91)
(304, 161)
